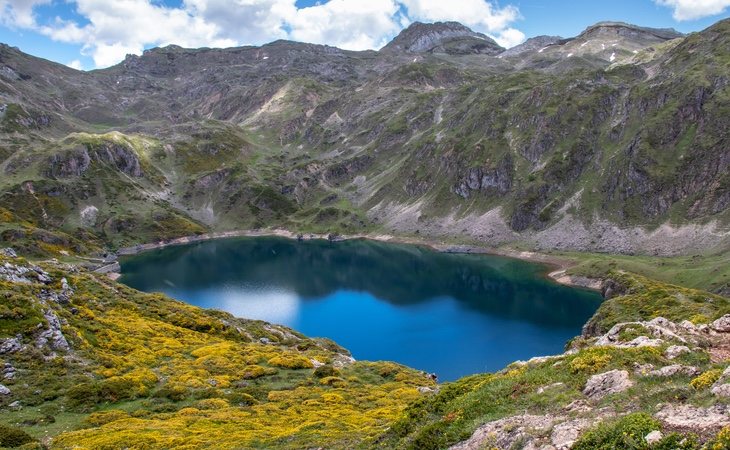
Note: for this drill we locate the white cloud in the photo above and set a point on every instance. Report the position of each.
(349, 24)
(480, 15)
(19, 13)
(75, 64)
(113, 29)
(694, 9)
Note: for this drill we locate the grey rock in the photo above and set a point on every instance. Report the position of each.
(504, 433)
(611, 382)
(89, 215)
(676, 350)
(4, 390)
(695, 418)
(721, 387)
(673, 370)
(9, 252)
(565, 434)
(653, 437)
(721, 325)
(52, 336)
(11, 345)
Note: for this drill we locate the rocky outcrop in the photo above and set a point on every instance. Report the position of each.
(442, 37)
(695, 418)
(75, 162)
(88, 216)
(490, 179)
(611, 382)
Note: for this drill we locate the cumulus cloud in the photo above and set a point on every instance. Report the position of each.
(19, 13)
(75, 64)
(349, 24)
(477, 14)
(694, 9)
(113, 29)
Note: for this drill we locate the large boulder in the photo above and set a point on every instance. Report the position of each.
(603, 384)
(721, 325)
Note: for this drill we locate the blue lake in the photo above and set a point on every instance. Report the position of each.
(451, 314)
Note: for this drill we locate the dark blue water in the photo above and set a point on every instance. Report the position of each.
(445, 313)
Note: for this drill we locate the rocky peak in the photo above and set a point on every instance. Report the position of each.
(442, 37)
(629, 31)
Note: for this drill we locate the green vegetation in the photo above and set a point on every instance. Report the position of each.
(645, 299)
(145, 368)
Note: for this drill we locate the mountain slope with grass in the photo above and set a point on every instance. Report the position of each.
(612, 141)
(89, 363)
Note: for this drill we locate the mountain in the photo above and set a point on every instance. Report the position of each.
(612, 141)
(442, 37)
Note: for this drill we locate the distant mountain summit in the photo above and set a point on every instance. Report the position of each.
(442, 37)
(630, 31)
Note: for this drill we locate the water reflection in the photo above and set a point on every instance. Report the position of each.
(455, 314)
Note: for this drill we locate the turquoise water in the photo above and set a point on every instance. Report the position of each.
(450, 314)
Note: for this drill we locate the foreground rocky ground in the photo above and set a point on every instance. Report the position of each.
(88, 363)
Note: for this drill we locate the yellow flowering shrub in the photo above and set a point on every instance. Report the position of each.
(706, 379)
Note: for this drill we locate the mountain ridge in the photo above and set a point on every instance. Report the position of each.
(467, 146)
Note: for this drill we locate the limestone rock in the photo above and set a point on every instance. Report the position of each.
(4, 390)
(9, 252)
(721, 325)
(88, 216)
(504, 433)
(565, 434)
(674, 369)
(52, 336)
(10, 345)
(721, 388)
(695, 418)
(8, 371)
(676, 350)
(611, 382)
(653, 437)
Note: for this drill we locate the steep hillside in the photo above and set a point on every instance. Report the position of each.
(89, 363)
(612, 141)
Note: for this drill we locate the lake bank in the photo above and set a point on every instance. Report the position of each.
(556, 271)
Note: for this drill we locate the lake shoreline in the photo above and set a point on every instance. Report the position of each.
(557, 270)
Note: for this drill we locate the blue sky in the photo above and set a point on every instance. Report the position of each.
(97, 33)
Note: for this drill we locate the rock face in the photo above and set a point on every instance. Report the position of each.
(52, 336)
(497, 179)
(89, 215)
(695, 418)
(442, 37)
(611, 382)
(504, 433)
(721, 325)
(75, 162)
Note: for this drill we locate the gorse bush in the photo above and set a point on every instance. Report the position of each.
(706, 379)
(12, 437)
(625, 433)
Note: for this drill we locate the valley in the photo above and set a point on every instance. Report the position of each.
(605, 155)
